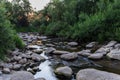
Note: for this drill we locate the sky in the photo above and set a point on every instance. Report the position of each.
(38, 4)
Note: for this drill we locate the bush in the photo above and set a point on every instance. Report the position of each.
(56, 28)
(101, 26)
(8, 37)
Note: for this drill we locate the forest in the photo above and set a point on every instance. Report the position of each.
(77, 21)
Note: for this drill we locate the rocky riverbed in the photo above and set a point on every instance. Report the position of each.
(55, 59)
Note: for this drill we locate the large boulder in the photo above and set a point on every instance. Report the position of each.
(93, 74)
(22, 75)
(69, 56)
(114, 54)
(64, 71)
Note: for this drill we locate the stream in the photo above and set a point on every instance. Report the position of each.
(53, 61)
(46, 71)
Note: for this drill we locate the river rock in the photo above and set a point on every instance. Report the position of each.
(49, 50)
(114, 54)
(37, 57)
(117, 46)
(23, 61)
(84, 52)
(6, 70)
(96, 56)
(93, 74)
(8, 65)
(36, 69)
(16, 52)
(22, 75)
(69, 56)
(23, 55)
(111, 44)
(91, 45)
(29, 52)
(50, 45)
(31, 70)
(64, 71)
(39, 51)
(58, 52)
(17, 66)
(73, 44)
(17, 58)
(103, 50)
(32, 47)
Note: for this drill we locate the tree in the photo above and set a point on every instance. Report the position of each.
(8, 37)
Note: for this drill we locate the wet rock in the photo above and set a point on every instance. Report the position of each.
(39, 51)
(69, 56)
(64, 71)
(37, 57)
(91, 45)
(6, 70)
(42, 37)
(58, 52)
(114, 54)
(93, 74)
(73, 44)
(40, 79)
(17, 66)
(23, 61)
(22, 75)
(84, 53)
(111, 44)
(49, 50)
(96, 56)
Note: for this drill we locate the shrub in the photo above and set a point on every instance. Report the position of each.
(8, 37)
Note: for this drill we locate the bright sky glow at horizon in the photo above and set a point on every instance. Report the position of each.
(38, 4)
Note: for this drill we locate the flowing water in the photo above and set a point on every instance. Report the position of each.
(46, 70)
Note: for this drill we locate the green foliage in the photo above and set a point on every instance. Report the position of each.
(8, 37)
(18, 42)
(100, 26)
(84, 20)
